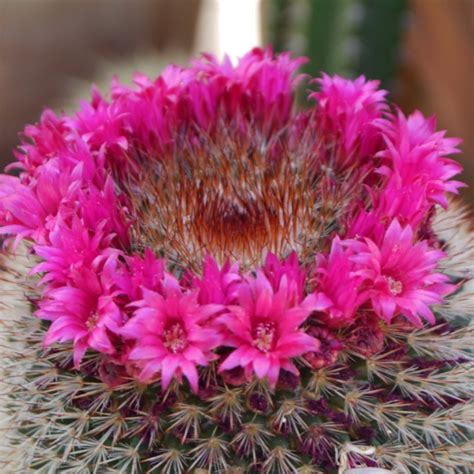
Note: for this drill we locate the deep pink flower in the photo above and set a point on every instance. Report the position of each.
(260, 85)
(173, 332)
(85, 313)
(400, 275)
(217, 285)
(265, 328)
(337, 279)
(347, 112)
(275, 270)
(408, 204)
(70, 248)
(215, 159)
(51, 137)
(416, 154)
(101, 123)
(365, 223)
(140, 272)
(101, 207)
(20, 211)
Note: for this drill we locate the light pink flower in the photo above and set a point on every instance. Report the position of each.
(174, 334)
(265, 328)
(400, 275)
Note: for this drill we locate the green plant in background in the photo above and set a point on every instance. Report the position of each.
(347, 37)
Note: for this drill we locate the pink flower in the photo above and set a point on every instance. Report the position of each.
(20, 211)
(400, 275)
(346, 114)
(90, 197)
(50, 137)
(275, 270)
(174, 334)
(102, 207)
(84, 312)
(407, 204)
(416, 154)
(337, 279)
(260, 85)
(265, 328)
(140, 272)
(217, 285)
(100, 123)
(71, 247)
(365, 223)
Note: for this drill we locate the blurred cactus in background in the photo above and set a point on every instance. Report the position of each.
(347, 37)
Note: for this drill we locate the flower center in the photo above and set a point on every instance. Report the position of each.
(395, 286)
(264, 336)
(92, 321)
(174, 338)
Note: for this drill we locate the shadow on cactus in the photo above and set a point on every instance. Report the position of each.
(198, 277)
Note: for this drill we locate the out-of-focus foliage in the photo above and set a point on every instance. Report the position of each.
(348, 37)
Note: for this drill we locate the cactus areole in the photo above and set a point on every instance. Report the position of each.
(200, 276)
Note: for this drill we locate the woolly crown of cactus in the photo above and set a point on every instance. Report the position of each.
(199, 276)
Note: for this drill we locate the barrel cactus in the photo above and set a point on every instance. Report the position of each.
(198, 276)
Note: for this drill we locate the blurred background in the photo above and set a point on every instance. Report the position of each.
(422, 50)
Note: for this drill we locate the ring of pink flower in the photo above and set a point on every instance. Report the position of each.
(130, 308)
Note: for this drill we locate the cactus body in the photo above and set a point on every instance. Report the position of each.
(210, 281)
(412, 400)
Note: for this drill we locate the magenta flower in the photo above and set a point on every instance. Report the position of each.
(97, 206)
(227, 259)
(337, 279)
(417, 155)
(347, 113)
(71, 248)
(84, 312)
(211, 173)
(173, 333)
(265, 328)
(21, 213)
(217, 285)
(295, 277)
(400, 275)
(50, 134)
(140, 272)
